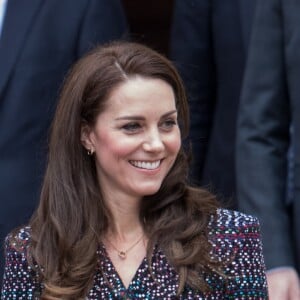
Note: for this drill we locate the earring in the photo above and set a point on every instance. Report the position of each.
(90, 152)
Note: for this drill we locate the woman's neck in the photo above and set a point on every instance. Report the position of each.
(126, 223)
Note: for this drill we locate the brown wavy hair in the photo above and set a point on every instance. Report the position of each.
(72, 216)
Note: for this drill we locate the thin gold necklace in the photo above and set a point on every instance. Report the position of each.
(123, 253)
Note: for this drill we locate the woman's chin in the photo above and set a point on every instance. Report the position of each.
(149, 190)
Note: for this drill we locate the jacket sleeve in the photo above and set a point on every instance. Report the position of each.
(192, 51)
(263, 135)
(19, 280)
(248, 261)
(103, 21)
(237, 242)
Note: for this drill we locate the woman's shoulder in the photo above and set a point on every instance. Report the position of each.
(234, 218)
(231, 220)
(18, 239)
(230, 229)
(233, 226)
(21, 279)
(236, 241)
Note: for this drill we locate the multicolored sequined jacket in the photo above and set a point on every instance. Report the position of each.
(235, 238)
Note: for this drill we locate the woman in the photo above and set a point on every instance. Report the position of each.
(116, 218)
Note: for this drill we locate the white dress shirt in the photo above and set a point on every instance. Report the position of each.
(2, 13)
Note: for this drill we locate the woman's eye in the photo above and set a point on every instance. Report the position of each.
(131, 127)
(168, 124)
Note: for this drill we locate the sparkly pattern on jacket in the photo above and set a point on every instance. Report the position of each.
(235, 238)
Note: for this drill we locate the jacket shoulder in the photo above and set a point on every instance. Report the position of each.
(236, 241)
(233, 221)
(20, 279)
(19, 239)
(235, 236)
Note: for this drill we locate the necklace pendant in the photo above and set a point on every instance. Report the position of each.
(122, 254)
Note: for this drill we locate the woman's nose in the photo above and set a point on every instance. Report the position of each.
(153, 142)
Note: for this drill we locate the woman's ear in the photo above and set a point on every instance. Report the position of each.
(85, 137)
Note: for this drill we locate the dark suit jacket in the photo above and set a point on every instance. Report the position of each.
(209, 45)
(270, 103)
(39, 41)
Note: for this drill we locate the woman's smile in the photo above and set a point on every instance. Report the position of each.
(148, 165)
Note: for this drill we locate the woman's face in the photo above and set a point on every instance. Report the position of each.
(136, 138)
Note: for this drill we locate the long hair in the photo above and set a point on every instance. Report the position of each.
(72, 216)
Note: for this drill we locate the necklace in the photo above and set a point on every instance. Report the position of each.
(123, 253)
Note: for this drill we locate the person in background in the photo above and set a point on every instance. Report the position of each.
(116, 218)
(209, 45)
(269, 109)
(38, 43)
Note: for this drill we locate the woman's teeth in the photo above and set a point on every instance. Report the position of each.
(145, 164)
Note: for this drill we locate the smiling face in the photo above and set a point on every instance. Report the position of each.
(136, 138)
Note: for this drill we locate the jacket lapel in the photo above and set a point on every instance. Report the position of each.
(247, 10)
(19, 17)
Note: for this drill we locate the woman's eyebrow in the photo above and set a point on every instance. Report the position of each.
(169, 113)
(141, 118)
(138, 118)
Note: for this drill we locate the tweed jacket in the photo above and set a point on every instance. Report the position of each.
(235, 239)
